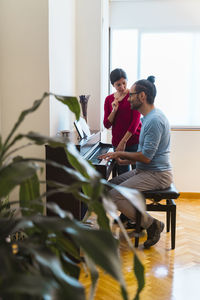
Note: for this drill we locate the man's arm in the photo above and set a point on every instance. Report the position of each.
(130, 156)
(134, 156)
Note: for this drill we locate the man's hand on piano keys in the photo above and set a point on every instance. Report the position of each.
(118, 156)
(109, 155)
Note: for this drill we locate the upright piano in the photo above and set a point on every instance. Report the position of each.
(90, 148)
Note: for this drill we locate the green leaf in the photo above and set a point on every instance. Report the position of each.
(4, 206)
(93, 189)
(109, 206)
(102, 219)
(80, 164)
(5, 153)
(72, 103)
(139, 273)
(40, 139)
(28, 284)
(70, 286)
(94, 276)
(92, 242)
(0, 143)
(71, 172)
(70, 267)
(29, 191)
(15, 174)
(132, 195)
(7, 226)
(42, 267)
(66, 245)
(87, 189)
(76, 160)
(124, 293)
(22, 116)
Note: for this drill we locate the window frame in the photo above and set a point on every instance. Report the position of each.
(144, 31)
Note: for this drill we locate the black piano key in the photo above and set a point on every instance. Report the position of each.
(102, 150)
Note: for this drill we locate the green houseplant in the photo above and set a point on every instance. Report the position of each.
(45, 263)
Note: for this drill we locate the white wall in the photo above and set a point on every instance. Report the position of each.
(185, 149)
(104, 58)
(88, 53)
(24, 68)
(159, 14)
(91, 33)
(61, 61)
(78, 57)
(24, 64)
(167, 15)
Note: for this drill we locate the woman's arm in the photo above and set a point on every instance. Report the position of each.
(134, 126)
(115, 106)
(122, 144)
(108, 113)
(135, 122)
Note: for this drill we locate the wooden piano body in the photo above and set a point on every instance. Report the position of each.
(90, 149)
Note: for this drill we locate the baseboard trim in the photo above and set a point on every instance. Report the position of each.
(190, 195)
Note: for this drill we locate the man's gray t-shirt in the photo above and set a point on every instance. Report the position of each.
(154, 141)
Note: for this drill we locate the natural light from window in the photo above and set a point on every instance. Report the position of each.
(125, 53)
(174, 59)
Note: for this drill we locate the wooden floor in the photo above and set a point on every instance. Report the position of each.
(169, 274)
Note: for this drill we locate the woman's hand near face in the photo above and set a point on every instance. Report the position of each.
(115, 105)
(119, 96)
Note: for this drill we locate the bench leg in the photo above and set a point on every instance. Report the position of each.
(173, 225)
(138, 228)
(168, 215)
(114, 170)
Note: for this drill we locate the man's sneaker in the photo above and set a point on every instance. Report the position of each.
(153, 233)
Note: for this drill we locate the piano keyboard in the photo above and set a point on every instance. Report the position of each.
(94, 158)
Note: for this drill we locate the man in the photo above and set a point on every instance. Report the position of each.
(153, 169)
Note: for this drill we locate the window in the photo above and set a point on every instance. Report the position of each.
(124, 53)
(174, 59)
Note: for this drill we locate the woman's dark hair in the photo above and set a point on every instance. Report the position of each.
(117, 74)
(147, 86)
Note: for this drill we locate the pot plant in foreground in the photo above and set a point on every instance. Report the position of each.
(39, 254)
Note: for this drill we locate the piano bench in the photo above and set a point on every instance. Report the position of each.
(169, 194)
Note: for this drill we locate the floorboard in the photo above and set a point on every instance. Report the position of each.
(169, 274)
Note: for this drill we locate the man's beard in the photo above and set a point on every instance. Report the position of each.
(136, 104)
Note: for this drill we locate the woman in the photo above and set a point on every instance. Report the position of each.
(124, 121)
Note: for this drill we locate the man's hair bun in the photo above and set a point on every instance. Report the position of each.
(151, 78)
